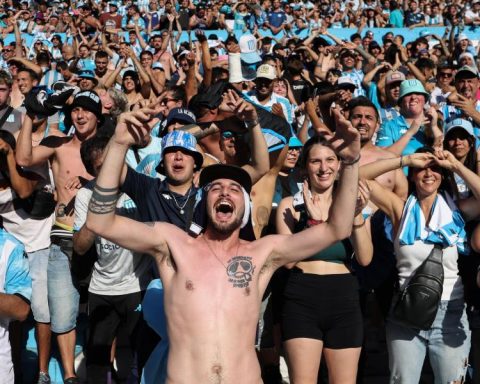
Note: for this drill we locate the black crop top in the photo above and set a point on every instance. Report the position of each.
(340, 252)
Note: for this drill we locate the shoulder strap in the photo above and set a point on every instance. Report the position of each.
(437, 253)
(5, 116)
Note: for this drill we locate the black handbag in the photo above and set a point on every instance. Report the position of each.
(417, 304)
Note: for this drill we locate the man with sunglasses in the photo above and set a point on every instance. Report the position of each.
(444, 84)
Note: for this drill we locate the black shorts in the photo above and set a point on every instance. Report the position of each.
(323, 307)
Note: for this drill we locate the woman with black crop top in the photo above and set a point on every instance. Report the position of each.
(321, 312)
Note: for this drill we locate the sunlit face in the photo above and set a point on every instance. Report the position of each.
(128, 83)
(393, 90)
(467, 60)
(427, 181)
(445, 76)
(332, 78)
(458, 143)
(4, 94)
(348, 61)
(364, 119)
(322, 167)
(412, 104)
(84, 121)
(106, 99)
(170, 102)
(225, 205)
(146, 61)
(25, 82)
(292, 157)
(101, 64)
(84, 52)
(280, 88)
(467, 87)
(179, 166)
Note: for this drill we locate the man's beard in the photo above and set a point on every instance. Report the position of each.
(225, 228)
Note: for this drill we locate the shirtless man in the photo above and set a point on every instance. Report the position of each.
(101, 66)
(63, 152)
(214, 283)
(364, 116)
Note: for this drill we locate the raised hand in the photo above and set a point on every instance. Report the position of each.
(363, 197)
(278, 110)
(132, 127)
(346, 140)
(445, 159)
(419, 160)
(240, 107)
(312, 203)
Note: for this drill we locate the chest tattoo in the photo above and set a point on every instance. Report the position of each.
(240, 271)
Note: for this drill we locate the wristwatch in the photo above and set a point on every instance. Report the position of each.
(249, 124)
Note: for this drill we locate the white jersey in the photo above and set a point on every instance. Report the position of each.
(117, 271)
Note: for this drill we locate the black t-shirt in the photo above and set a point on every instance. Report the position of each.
(300, 90)
(155, 202)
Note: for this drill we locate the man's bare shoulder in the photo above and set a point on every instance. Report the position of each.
(375, 153)
(55, 139)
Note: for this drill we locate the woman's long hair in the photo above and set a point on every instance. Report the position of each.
(471, 159)
(307, 148)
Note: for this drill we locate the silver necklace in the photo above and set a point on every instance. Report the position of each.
(184, 204)
(214, 254)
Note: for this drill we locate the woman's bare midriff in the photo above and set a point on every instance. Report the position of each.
(319, 267)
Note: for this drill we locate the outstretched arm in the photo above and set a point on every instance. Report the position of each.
(101, 218)
(25, 155)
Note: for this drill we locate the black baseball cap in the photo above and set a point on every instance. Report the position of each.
(225, 171)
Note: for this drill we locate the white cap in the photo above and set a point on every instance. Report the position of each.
(248, 49)
(345, 81)
(266, 71)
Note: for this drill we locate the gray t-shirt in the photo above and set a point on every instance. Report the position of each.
(117, 271)
(13, 122)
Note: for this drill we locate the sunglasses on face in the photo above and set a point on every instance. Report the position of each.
(445, 74)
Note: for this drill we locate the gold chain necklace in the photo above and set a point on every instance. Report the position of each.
(214, 254)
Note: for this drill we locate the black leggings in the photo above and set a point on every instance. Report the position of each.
(323, 307)
(105, 314)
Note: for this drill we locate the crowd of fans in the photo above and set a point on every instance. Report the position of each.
(160, 90)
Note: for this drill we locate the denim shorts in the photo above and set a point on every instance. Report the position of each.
(38, 263)
(63, 296)
(447, 343)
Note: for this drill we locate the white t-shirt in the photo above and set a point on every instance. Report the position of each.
(34, 234)
(117, 271)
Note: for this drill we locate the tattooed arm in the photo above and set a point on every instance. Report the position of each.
(101, 217)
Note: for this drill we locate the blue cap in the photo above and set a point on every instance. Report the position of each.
(460, 123)
(181, 115)
(184, 141)
(408, 87)
(293, 142)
